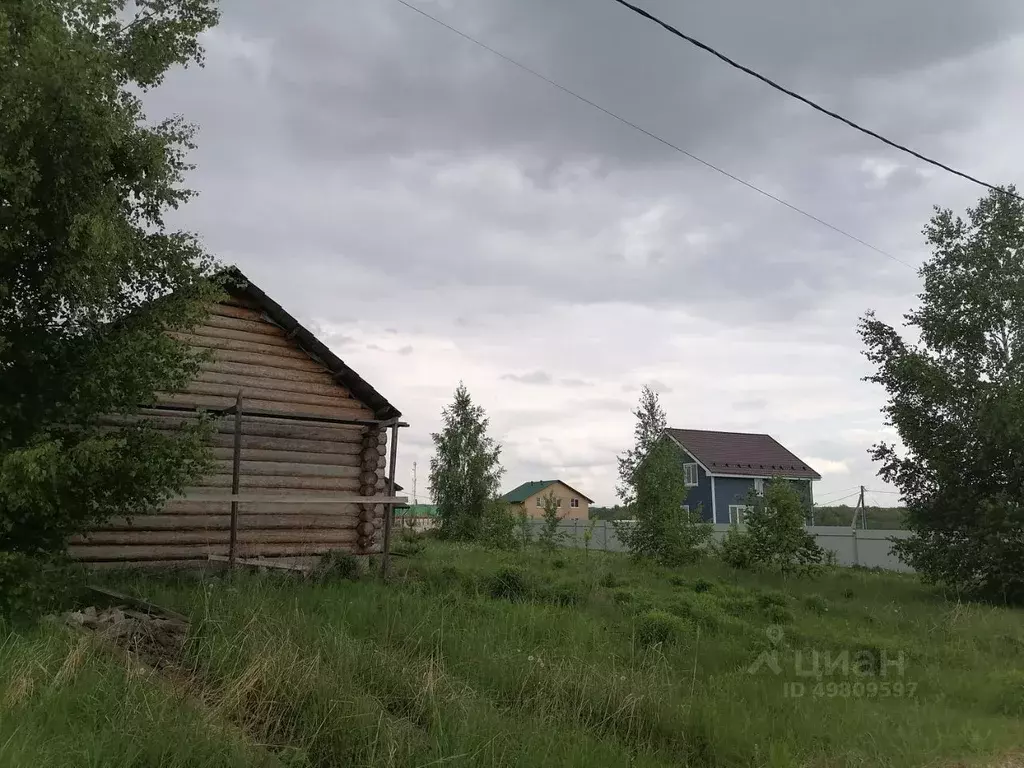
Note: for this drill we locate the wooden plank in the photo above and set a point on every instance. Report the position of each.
(215, 332)
(254, 469)
(214, 536)
(291, 457)
(278, 497)
(295, 374)
(170, 552)
(263, 563)
(298, 409)
(253, 391)
(307, 384)
(250, 324)
(150, 608)
(239, 301)
(230, 310)
(220, 520)
(268, 361)
(268, 351)
(283, 482)
(324, 433)
(176, 507)
(259, 448)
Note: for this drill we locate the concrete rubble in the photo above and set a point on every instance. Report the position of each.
(155, 640)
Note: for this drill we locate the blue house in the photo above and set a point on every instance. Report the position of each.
(722, 468)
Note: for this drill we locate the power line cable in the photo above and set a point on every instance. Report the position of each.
(652, 135)
(834, 115)
(841, 490)
(830, 502)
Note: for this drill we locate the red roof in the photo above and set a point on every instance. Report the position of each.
(741, 453)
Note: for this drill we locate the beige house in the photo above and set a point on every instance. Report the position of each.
(530, 496)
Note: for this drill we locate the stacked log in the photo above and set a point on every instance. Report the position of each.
(280, 457)
(371, 516)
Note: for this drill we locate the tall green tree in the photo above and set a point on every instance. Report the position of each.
(90, 275)
(956, 400)
(650, 426)
(465, 470)
(652, 485)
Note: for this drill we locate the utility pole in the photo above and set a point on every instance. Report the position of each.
(414, 483)
(859, 509)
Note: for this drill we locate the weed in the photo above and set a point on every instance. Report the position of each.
(816, 604)
(509, 584)
(338, 564)
(778, 614)
(661, 627)
(702, 585)
(608, 579)
(558, 563)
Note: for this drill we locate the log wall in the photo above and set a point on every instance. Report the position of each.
(279, 457)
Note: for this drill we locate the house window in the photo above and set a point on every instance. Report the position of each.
(559, 503)
(574, 503)
(759, 486)
(540, 502)
(690, 475)
(737, 513)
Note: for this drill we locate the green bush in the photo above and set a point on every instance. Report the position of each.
(338, 564)
(702, 585)
(509, 584)
(771, 598)
(30, 586)
(701, 610)
(656, 627)
(778, 614)
(608, 579)
(567, 594)
(558, 563)
(623, 596)
(677, 581)
(816, 604)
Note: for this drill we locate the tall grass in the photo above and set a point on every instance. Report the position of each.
(478, 658)
(66, 702)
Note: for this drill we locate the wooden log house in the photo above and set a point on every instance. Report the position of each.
(295, 458)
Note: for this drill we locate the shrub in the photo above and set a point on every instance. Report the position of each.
(499, 526)
(30, 586)
(567, 594)
(656, 627)
(816, 604)
(848, 593)
(550, 537)
(772, 597)
(623, 596)
(778, 614)
(338, 564)
(775, 537)
(702, 611)
(558, 563)
(508, 584)
(677, 581)
(702, 585)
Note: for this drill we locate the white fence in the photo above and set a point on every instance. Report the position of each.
(869, 548)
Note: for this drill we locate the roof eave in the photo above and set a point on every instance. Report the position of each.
(239, 284)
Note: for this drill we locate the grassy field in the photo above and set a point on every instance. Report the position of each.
(524, 659)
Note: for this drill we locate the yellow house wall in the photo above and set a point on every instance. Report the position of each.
(566, 494)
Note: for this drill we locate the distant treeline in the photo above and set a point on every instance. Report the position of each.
(882, 518)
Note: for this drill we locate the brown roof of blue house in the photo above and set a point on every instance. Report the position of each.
(741, 453)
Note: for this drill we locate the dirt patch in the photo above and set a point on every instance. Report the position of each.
(155, 640)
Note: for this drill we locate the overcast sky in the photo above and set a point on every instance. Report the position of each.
(436, 214)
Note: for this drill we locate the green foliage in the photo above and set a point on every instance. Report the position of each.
(816, 604)
(616, 512)
(703, 585)
(956, 399)
(656, 627)
(30, 586)
(608, 579)
(509, 584)
(877, 518)
(774, 537)
(650, 425)
(588, 536)
(338, 564)
(500, 527)
(465, 474)
(651, 479)
(550, 538)
(91, 278)
(524, 526)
